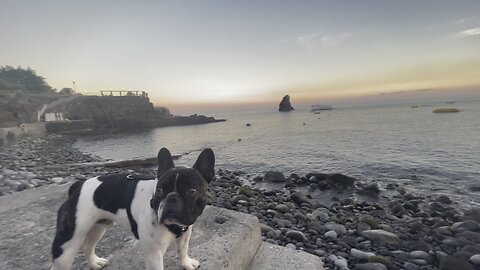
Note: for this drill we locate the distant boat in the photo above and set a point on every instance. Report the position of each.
(450, 102)
(446, 110)
(317, 108)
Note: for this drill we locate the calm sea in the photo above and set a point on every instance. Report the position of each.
(428, 151)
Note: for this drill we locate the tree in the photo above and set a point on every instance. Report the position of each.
(67, 91)
(25, 79)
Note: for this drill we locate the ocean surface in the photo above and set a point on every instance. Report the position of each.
(429, 152)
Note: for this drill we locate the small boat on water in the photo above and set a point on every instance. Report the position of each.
(317, 108)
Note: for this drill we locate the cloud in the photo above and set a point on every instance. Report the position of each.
(469, 33)
(323, 40)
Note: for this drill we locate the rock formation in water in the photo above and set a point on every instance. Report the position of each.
(285, 105)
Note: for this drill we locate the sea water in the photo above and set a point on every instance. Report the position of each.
(429, 152)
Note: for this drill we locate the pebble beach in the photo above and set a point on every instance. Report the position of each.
(351, 223)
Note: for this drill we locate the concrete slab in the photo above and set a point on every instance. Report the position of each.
(273, 257)
(221, 239)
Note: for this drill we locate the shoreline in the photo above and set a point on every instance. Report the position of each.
(353, 221)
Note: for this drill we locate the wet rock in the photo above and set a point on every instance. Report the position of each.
(321, 214)
(373, 188)
(420, 254)
(331, 235)
(452, 263)
(291, 246)
(361, 255)
(444, 199)
(246, 191)
(370, 266)
(274, 176)
(341, 263)
(417, 245)
(475, 259)
(410, 266)
(318, 176)
(361, 226)
(381, 236)
(368, 219)
(298, 198)
(282, 208)
(340, 181)
(338, 228)
(264, 228)
(472, 214)
(296, 235)
(468, 225)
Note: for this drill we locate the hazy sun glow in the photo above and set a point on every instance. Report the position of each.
(219, 53)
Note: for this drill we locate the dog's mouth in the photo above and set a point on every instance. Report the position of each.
(170, 219)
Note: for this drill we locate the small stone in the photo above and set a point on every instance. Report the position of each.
(410, 266)
(368, 219)
(57, 180)
(246, 191)
(361, 255)
(331, 235)
(363, 227)
(291, 246)
(475, 259)
(338, 228)
(341, 263)
(468, 225)
(370, 266)
(444, 199)
(382, 236)
(452, 263)
(321, 214)
(274, 176)
(265, 228)
(282, 208)
(296, 235)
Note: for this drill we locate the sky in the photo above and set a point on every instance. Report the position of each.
(199, 55)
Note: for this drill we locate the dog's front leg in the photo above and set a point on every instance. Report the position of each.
(182, 251)
(153, 260)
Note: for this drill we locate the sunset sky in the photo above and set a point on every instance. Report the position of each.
(215, 53)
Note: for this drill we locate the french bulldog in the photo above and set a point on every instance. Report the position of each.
(157, 211)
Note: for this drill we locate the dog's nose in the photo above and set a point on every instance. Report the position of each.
(173, 197)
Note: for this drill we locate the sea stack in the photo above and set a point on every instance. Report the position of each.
(285, 105)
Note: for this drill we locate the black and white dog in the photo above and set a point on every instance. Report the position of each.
(157, 211)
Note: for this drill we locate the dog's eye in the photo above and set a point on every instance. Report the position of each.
(191, 191)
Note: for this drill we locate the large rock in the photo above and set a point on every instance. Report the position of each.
(274, 176)
(285, 105)
(340, 181)
(381, 236)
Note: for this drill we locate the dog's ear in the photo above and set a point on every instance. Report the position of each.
(165, 161)
(205, 164)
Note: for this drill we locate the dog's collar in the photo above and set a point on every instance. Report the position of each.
(177, 229)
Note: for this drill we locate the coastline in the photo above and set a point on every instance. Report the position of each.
(403, 229)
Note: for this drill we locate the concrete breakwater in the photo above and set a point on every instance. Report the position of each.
(360, 225)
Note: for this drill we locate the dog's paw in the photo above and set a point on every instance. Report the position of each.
(190, 264)
(98, 263)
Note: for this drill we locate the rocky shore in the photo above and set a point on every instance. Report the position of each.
(409, 231)
(351, 223)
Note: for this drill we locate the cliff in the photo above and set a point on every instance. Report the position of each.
(126, 113)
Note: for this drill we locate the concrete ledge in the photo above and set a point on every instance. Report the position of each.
(273, 257)
(221, 239)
